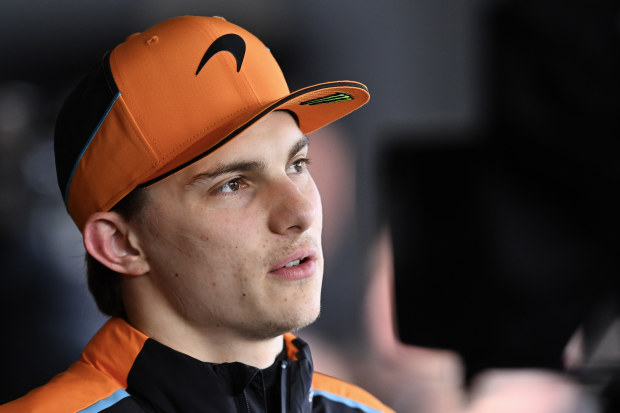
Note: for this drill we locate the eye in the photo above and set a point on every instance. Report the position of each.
(230, 186)
(299, 166)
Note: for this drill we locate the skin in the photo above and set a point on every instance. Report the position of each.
(204, 261)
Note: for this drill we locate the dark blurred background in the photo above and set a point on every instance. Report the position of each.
(489, 148)
(506, 235)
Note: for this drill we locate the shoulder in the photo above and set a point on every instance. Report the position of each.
(79, 388)
(332, 391)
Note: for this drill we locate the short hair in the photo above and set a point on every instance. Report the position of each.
(105, 284)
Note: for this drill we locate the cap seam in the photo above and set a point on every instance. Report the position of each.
(119, 80)
(138, 133)
(148, 150)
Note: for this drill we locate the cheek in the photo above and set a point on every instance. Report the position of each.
(315, 198)
(224, 248)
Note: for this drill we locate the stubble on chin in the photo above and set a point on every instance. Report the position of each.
(274, 328)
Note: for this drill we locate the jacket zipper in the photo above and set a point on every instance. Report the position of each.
(247, 403)
(283, 384)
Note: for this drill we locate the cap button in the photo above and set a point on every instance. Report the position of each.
(152, 41)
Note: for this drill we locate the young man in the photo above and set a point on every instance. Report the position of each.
(182, 159)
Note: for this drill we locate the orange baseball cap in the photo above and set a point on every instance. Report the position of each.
(168, 96)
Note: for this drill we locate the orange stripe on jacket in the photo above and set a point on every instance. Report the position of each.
(87, 380)
(347, 390)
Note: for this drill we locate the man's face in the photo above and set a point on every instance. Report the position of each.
(233, 241)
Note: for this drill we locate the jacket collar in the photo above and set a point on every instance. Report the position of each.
(172, 381)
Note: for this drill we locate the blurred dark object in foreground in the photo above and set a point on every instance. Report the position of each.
(506, 241)
(493, 261)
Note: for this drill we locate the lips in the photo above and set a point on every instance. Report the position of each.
(301, 264)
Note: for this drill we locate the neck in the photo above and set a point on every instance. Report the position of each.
(211, 345)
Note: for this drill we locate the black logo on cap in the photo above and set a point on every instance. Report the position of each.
(232, 43)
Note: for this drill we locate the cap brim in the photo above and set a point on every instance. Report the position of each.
(313, 106)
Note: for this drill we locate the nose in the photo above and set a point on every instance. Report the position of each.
(293, 207)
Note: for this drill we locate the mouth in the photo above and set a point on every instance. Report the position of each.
(295, 263)
(300, 264)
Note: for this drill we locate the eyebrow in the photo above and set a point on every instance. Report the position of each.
(245, 166)
(299, 145)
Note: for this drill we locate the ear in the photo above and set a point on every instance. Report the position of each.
(108, 239)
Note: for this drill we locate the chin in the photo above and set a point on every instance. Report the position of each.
(310, 318)
(292, 323)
